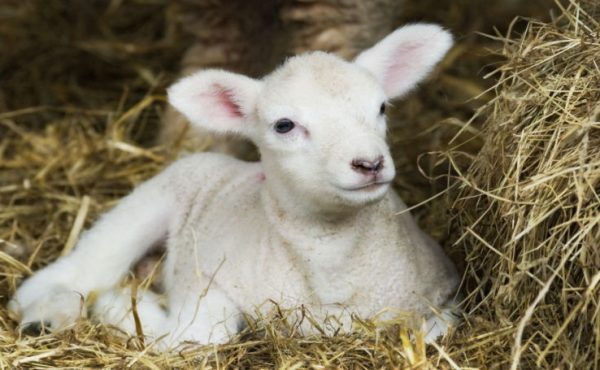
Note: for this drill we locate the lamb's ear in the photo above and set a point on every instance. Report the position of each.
(405, 57)
(217, 100)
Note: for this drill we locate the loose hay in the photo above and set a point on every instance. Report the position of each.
(526, 208)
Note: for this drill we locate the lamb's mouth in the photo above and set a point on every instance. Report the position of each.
(370, 186)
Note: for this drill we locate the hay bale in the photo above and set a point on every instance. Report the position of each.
(529, 203)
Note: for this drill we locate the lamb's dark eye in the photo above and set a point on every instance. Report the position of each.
(382, 109)
(284, 125)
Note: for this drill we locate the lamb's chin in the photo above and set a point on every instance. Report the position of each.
(364, 195)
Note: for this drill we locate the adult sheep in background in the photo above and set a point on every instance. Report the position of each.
(314, 223)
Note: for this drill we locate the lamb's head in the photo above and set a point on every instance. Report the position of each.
(319, 121)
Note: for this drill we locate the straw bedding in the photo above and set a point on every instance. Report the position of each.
(520, 179)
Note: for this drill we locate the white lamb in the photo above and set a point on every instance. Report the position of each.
(314, 223)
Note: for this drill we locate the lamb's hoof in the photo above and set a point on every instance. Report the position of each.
(36, 328)
(439, 324)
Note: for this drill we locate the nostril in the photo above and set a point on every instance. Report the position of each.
(378, 164)
(366, 166)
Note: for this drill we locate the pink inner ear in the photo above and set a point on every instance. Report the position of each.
(401, 65)
(225, 100)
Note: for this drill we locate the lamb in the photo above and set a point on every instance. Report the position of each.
(315, 223)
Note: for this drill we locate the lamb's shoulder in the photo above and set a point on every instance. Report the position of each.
(216, 198)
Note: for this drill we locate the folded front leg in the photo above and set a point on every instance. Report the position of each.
(203, 318)
(208, 317)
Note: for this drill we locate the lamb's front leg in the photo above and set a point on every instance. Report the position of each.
(53, 297)
(206, 317)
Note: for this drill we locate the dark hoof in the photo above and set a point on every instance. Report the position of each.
(36, 328)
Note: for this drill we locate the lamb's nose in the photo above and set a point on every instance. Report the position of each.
(367, 167)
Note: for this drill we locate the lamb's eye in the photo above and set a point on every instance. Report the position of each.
(382, 109)
(284, 125)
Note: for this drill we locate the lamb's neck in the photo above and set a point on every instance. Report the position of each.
(312, 233)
